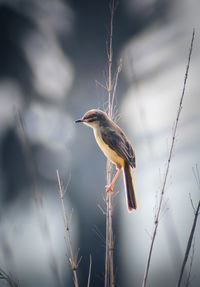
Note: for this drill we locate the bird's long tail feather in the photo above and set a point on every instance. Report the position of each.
(130, 191)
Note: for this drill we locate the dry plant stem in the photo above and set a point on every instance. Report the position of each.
(168, 166)
(109, 268)
(89, 274)
(191, 262)
(110, 57)
(189, 244)
(72, 259)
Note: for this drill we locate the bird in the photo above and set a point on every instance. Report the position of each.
(116, 147)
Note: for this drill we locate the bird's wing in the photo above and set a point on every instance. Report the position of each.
(119, 143)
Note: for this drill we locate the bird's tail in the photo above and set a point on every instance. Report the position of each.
(130, 191)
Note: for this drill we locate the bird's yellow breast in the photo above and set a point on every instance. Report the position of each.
(109, 153)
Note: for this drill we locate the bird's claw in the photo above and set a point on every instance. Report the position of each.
(109, 188)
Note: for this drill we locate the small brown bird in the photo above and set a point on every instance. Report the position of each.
(116, 147)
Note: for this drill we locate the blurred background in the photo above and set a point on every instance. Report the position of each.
(52, 59)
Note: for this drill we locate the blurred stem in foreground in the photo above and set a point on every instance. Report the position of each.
(189, 244)
(157, 217)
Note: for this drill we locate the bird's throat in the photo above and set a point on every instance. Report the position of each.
(109, 153)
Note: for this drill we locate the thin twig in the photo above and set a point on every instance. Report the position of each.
(102, 210)
(99, 234)
(119, 68)
(101, 85)
(156, 222)
(89, 274)
(196, 175)
(192, 202)
(191, 263)
(189, 244)
(72, 258)
(110, 58)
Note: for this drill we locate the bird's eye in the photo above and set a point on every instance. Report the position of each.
(91, 118)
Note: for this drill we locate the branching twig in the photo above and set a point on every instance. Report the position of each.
(189, 244)
(168, 165)
(72, 259)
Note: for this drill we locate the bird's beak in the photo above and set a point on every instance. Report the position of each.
(79, 121)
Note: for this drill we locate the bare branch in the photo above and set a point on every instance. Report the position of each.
(100, 84)
(119, 68)
(168, 165)
(192, 202)
(102, 210)
(89, 274)
(196, 175)
(99, 234)
(191, 262)
(72, 259)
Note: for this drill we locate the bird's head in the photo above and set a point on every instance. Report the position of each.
(93, 118)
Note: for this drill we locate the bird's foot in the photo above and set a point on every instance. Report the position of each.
(109, 188)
